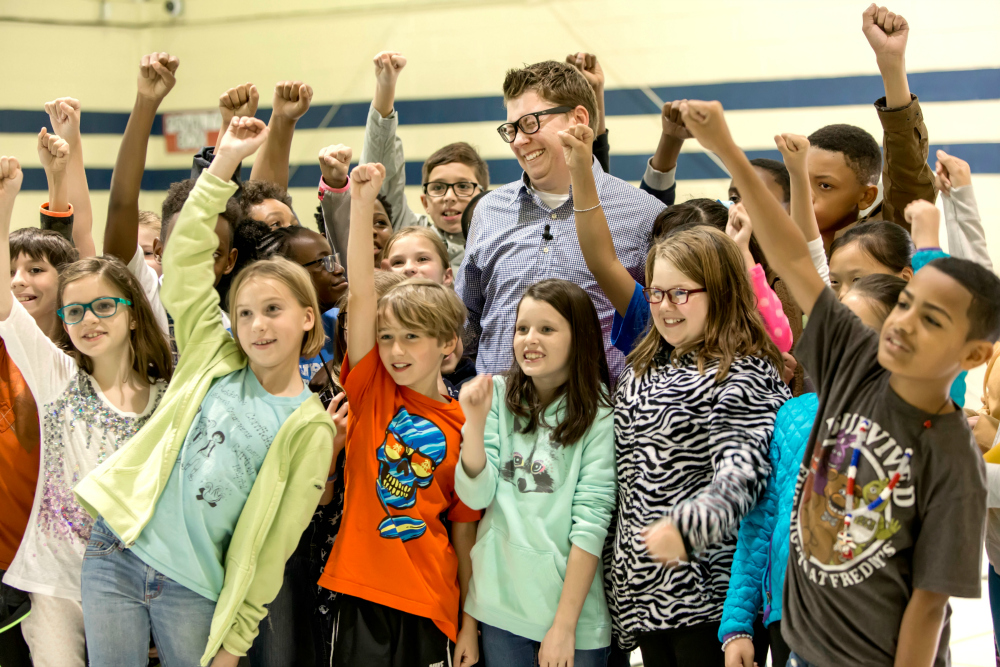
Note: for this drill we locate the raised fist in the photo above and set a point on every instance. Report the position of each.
(739, 228)
(673, 124)
(334, 161)
(925, 222)
(366, 181)
(951, 172)
(476, 397)
(886, 32)
(793, 148)
(64, 115)
(242, 138)
(291, 99)
(388, 65)
(10, 179)
(707, 123)
(157, 75)
(578, 146)
(238, 102)
(589, 67)
(53, 151)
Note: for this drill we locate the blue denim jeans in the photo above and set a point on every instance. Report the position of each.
(795, 661)
(123, 599)
(505, 649)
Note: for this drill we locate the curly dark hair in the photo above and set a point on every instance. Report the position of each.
(178, 194)
(861, 151)
(255, 192)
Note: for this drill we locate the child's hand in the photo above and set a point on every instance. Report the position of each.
(788, 369)
(64, 115)
(366, 181)
(467, 646)
(388, 65)
(739, 228)
(707, 123)
(476, 398)
(793, 148)
(589, 67)
(886, 32)
(673, 124)
(578, 146)
(239, 101)
(925, 221)
(242, 139)
(10, 180)
(339, 417)
(558, 647)
(951, 172)
(291, 99)
(664, 542)
(156, 76)
(53, 151)
(334, 161)
(739, 653)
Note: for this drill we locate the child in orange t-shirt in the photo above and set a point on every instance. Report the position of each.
(399, 574)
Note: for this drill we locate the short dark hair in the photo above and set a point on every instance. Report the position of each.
(984, 287)
(178, 194)
(559, 83)
(43, 245)
(779, 172)
(255, 192)
(885, 242)
(881, 290)
(382, 199)
(462, 153)
(694, 213)
(860, 150)
(470, 208)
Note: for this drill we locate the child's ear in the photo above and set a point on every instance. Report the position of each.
(907, 273)
(976, 353)
(449, 277)
(231, 264)
(158, 249)
(449, 347)
(868, 197)
(310, 319)
(425, 201)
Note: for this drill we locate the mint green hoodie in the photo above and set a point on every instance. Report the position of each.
(540, 499)
(125, 488)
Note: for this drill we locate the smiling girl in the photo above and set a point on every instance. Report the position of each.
(694, 413)
(538, 455)
(211, 498)
(95, 390)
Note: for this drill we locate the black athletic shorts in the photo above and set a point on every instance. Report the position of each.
(373, 635)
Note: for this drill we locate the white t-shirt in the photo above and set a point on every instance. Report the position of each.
(553, 201)
(80, 429)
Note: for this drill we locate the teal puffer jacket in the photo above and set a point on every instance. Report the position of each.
(758, 575)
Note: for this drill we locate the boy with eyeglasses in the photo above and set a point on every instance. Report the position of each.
(451, 176)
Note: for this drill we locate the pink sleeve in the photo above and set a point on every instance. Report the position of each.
(770, 309)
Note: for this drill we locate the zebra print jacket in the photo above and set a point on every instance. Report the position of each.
(696, 451)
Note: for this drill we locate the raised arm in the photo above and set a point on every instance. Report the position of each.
(335, 195)
(794, 148)
(64, 115)
(53, 153)
(361, 301)
(966, 237)
(291, 101)
(659, 179)
(10, 184)
(592, 71)
(591, 224)
(906, 176)
(156, 79)
(780, 239)
(238, 102)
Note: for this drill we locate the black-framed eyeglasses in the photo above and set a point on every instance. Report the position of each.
(104, 307)
(463, 189)
(676, 296)
(529, 123)
(331, 263)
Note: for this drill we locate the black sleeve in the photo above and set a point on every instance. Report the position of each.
(61, 224)
(203, 159)
(602, 151)
(835, 342)
(666, 196)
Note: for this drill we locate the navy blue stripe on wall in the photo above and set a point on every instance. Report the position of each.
(950, 86)
(983, 158)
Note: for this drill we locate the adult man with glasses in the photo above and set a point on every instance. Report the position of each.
(525, 231)
(452, 175)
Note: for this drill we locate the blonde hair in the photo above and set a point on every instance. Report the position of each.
(150, 219)
(425, 306)
(733, 327)
(298, 282)
(425, 233)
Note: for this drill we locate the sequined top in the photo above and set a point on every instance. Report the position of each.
(80, 429)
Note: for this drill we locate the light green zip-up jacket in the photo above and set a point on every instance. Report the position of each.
(540, 500)
(125, 489)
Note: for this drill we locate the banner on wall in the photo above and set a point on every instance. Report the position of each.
(188, 131)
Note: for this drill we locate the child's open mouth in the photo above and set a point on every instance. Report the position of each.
(261, 344)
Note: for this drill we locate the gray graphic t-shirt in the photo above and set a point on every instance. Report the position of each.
(196, 515)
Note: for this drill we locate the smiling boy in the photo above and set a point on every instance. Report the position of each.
(891, 498)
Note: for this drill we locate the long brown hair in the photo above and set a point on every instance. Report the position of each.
(733, 327)
(150, 351)
(588, 386)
